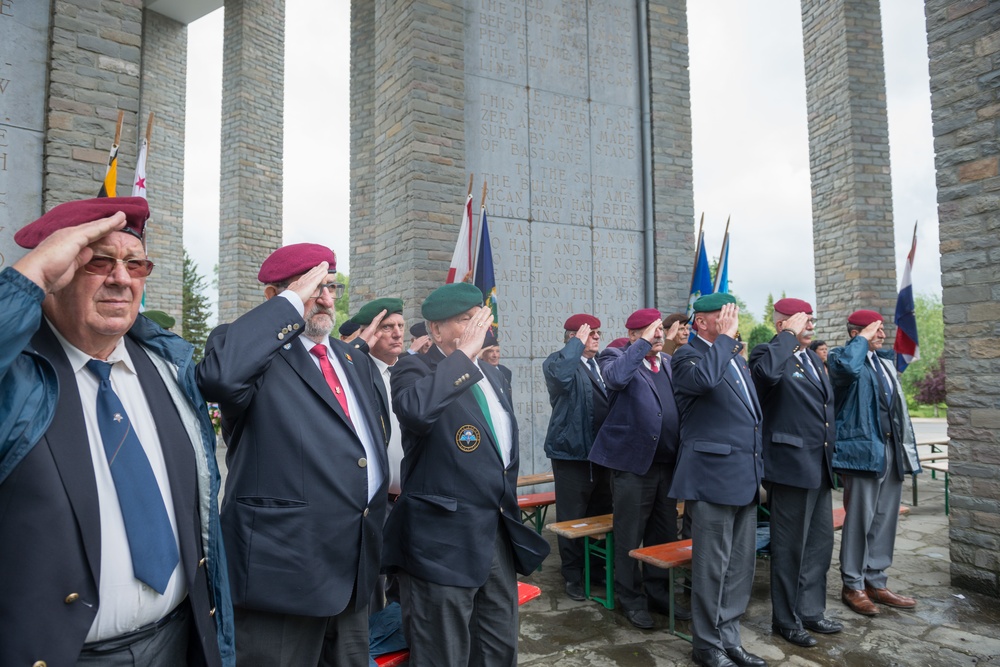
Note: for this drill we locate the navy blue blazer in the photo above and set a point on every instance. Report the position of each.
(456, 492)
(799, 423)
(298, 528)
(629, 436)
(720, 453)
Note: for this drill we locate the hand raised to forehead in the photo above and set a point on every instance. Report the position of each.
(796, 323)
(371, 333)
(649, 333)
(472, 339)
(583, 333)
(728, 322)
(306, 284)
(672, 331)
(868, 333)
(54, 262)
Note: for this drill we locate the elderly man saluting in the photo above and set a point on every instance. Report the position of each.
(109, 534)
(455, 536)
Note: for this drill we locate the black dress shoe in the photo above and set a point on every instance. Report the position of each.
(711, 657)
(824, 626)
(681, 613)
(740, 657)
(795, 636)
(640, 618)
(574, 590)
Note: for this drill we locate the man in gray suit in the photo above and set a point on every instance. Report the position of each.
(718, 472)
(875, 449)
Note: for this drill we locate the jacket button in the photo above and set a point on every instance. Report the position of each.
(284, 330)
(71, 598)
(826, 424)
(295, 327)
(362, 462)
(202, 562)
(211, 612)
(457, 382)
(280, 335)
(824, 444)
(40, 663)
(365, 513)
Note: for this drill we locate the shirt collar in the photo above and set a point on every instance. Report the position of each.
(78, 358)
(383, 367)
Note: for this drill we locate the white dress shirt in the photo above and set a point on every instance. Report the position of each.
(395, 450)
(502, 426)
(126, 604)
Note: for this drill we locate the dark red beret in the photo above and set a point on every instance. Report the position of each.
(790, 306)
(74, 213)
(618, 342)
(294, 260)
(574, 322)
(642, 318)
(863, 318)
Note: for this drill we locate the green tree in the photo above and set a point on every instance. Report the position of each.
(195, 306)
(343, 307)
(760, 334)
(930, 330)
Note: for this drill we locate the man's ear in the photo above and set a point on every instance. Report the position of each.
(270, 291)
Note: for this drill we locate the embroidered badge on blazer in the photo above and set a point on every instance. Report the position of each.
(468, 438)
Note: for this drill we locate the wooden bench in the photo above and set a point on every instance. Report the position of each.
(940, 466)
(534, 507)
(598, 541)
(525, 592)
(531, 480)
(674, 555)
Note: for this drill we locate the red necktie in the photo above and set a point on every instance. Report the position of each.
(319, 351)
(654, 363)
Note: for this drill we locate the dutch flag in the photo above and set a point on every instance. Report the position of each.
(907, 347)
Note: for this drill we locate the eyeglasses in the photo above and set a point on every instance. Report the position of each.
(335, 289)
(99, 265)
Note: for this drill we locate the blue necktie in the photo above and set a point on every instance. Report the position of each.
(147, 525)
(883, 380)
(593, 369)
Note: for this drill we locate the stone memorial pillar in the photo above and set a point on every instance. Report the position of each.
(544, 101)
(253, 74)
(853, 241)
(964, 46)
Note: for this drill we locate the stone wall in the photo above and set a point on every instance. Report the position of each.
(164, 88)
(253, 74)
(964, 47)
(853, 240)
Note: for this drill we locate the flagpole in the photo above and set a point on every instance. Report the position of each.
(479, 229)
(149, 131)
(724, 237)
(118, 127)
(723, 257)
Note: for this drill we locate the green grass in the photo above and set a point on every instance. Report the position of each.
(918, 410)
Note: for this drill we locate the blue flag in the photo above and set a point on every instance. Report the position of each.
(907, 345)
(701, 279)
(483, 277)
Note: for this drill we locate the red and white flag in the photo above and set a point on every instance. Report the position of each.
(139, 182)
(460, 270)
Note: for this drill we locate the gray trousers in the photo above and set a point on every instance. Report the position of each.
(266, 639)
(163, 644)
(801, 552)
(452, 626)
(724, 546)
(872, 514)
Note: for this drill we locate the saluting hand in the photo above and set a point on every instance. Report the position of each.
(672, 331)
(583, 333)
(728, 322)
(371, 333)
(306, 284)
(649, 333)
(56, 260)
(796, 323)
(472, 339)
(868, 333)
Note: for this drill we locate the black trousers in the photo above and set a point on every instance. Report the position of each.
(583, 489)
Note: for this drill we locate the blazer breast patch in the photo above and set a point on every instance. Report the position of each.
(468, 438)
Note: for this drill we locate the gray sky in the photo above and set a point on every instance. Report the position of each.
(751, 152)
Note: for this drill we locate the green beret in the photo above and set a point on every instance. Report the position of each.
(370, 310)
(160, 318)
(713, 302)
(450, 300)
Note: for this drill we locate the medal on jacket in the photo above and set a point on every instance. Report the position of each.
(468, 438)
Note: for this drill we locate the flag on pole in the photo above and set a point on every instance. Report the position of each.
(484, 277)
(139, 182)
(108, 187)
(461, 261)
(722, 271)
(701, 278)
(907, 346)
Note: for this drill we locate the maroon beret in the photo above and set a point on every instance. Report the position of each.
(790, 306)
(863, 318)
(574, 322)
(618, 342)
(294, 260)
(642, 318)
(74, 213)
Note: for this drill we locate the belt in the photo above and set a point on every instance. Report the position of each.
(180, 614)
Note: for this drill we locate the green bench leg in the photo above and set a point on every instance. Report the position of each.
(671, 588)
(602, 550)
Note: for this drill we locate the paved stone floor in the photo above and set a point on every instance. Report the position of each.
(949, 627)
